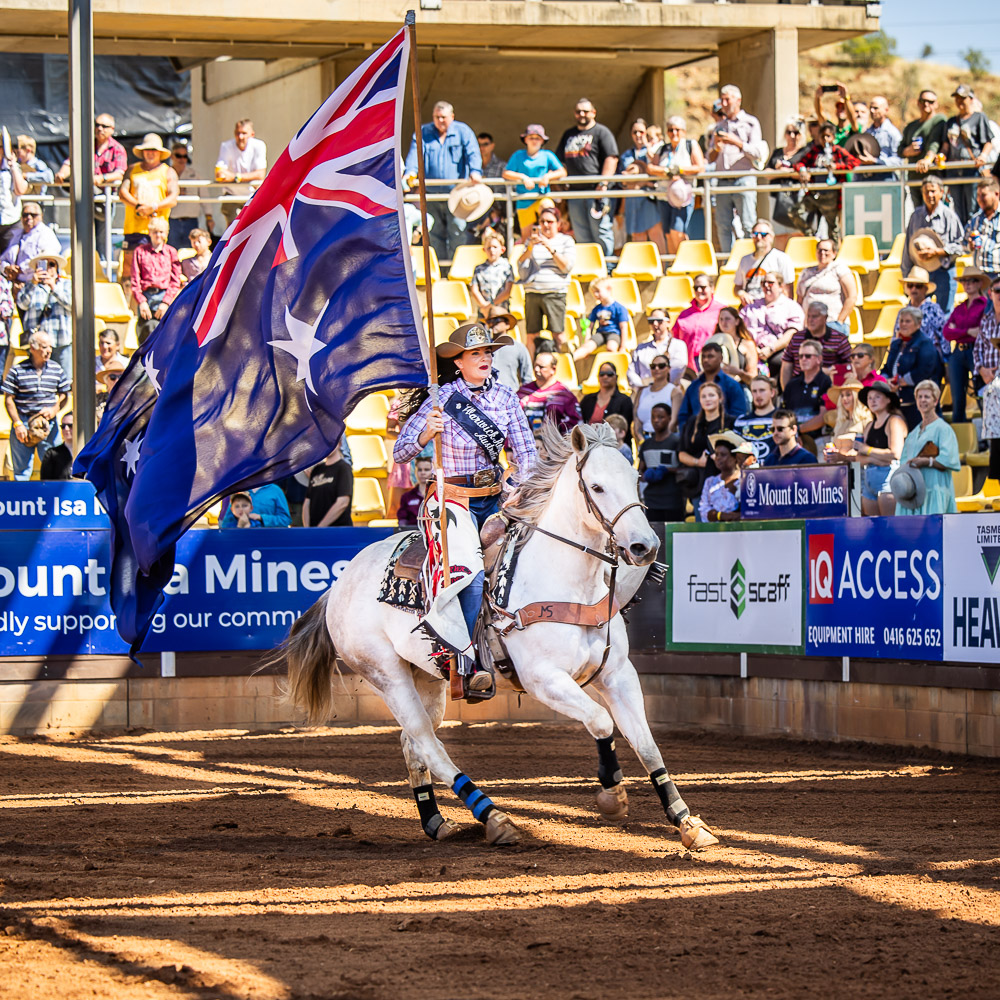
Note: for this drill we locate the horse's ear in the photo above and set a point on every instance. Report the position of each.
(577, 439)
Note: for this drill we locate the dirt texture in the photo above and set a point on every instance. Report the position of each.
(221, 865)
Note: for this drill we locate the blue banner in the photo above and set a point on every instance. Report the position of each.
(35, 506)
(231, 589)
(794, 492)
(875, 588)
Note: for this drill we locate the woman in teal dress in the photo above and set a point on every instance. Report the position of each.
(937, 469)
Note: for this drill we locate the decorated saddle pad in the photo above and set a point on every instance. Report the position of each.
(398, 592)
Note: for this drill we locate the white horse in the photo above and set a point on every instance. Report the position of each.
(582, 503)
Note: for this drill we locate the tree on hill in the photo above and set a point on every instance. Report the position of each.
(927, 51)
(977, 62)
(869, 51)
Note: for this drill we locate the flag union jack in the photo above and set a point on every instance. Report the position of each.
(338, 158)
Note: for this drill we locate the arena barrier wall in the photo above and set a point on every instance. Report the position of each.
(880, 629)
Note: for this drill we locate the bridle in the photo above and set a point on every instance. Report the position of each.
(609, 556)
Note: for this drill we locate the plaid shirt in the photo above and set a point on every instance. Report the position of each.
(984, 354)
(987, 257)
(841, 159)
(460, 455)
(108, 160)
(47, 310)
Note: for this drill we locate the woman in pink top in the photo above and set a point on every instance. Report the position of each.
(961, 329)
(698, 322)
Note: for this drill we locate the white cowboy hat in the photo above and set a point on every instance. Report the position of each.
(60, 262)
(470, 200)
(908, 487)
(152, 141)
(679, 193)
(919, 276)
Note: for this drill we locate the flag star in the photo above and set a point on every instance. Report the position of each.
(151, 372)
(131, 454)
(303, 344)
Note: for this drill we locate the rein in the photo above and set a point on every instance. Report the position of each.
(574, 613)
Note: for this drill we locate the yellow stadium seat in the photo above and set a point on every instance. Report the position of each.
(626, 291)
(963, 481)
(444, 327)
(590, 262)
(368, 456)
(370, 416)
(895, 258)
(888, 290)
(566, 371)
(515, 304)
(801, 251)
(451, 298)
(640, 261)
(673, 293)
(4, 422)
(575, 305)
(417, 256)
(694, 257)
(859, 253)
(986, 497)
(854, 326)
(882, 332)
(17, 338)
(367, 503)
(631, 341)
(130, 342)
(185, 252)
(619, 359)
(383, 522)
(968, 447)
(725, 290)
(741, 248)
(467, 258)
(961, 263)
(110, 303)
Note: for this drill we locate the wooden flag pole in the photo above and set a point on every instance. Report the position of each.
(411, 18)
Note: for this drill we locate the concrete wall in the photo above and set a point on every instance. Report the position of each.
(950, 719)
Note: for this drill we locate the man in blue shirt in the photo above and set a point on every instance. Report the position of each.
(711, 371)
(787, 450)
(451, 152)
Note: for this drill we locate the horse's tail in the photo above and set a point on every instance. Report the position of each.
(311, 658)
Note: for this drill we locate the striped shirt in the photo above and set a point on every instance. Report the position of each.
(987, 257)
(985, 354)
(48, 310)
(836, 348)
(460, 454)
(34, 388)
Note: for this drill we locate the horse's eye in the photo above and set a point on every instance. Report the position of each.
(596, 488)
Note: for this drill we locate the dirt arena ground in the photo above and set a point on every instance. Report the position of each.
(290, 866)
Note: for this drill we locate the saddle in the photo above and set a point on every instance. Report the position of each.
(411, 559)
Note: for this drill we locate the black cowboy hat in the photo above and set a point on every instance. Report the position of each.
(882, 387)
(469, 336)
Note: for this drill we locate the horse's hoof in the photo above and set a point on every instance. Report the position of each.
(445, 830)
(613, 803)
(695, 834)
(500, 830)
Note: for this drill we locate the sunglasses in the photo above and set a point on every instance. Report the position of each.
(860, 354)
(659, 365)
(658, 319)
(611, 374)
(180, 156)
(114, 377)
(701, 288)
(31, 215)
(927, 100)
(995, 290)
(68, 424)
(792, 131)
(103, 125)
(496, 321)
(760, 232)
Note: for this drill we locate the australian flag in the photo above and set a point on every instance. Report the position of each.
(307, 305)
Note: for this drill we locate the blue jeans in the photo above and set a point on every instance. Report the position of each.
(471, 597)
(21, 454)
(587, 229)
(960, 366)
(726, 200)
(448, 232)
(945, 291)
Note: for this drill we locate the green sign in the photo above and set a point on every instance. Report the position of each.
(874, 210)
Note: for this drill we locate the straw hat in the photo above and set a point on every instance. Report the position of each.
(851, 384)
(736, 444)
(470, 200)
(152, 141)
(471, 335)
(111, 368)
(971, 271)
(60, 262)
(908, 487)
(498, 312)
(920, 242)
(919, 276)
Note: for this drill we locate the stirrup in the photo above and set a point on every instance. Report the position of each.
(479, 686)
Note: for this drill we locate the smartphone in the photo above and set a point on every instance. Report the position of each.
(829, 88)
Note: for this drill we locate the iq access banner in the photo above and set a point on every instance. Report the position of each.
(738, 588)
(972, 588)
(875, 588)
(232, 589)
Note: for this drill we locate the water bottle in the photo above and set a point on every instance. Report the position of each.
(976, 239)
(918, 141)
(828, 152)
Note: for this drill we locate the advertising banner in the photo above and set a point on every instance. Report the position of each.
(231, 590)
(35, 506)
(972, 588)
(794, 492)
(738, 588)
(875, 588)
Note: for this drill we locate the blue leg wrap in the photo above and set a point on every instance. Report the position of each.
(477, 802)
(470, 599)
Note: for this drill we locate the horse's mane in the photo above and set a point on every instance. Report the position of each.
(536, 490)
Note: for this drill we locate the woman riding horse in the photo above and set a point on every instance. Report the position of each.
(478, 416)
